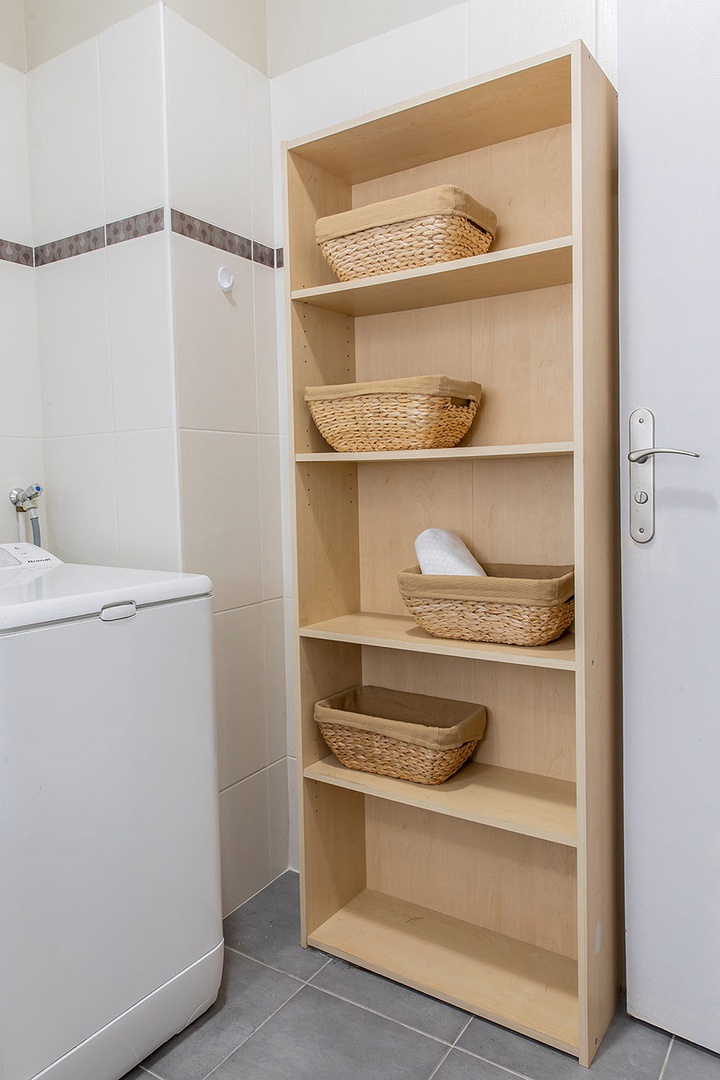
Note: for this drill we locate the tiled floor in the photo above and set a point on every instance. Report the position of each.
(286, 1013)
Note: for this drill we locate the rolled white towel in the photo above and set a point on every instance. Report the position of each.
(442, 552)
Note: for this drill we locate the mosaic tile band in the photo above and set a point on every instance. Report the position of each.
(130, 228)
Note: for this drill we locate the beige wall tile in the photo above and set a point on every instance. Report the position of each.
(207, 101)
(270, 516)
(74, 342)
(141, 357)
(20, 402)
(66, 144)
(147, 499)
(274, 647)
(266, 349)
(15, 215)
(221, 514)
(240, 680)
(214, 338)
(21, 464)
(293, 836)
(244, 840)
(54, 26)
(131, 93)
(80, 499)
(279, 822)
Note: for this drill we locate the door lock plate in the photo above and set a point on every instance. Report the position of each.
(642, 478)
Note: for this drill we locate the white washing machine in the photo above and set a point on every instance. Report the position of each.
(110, 915)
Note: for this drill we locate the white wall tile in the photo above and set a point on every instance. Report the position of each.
(80, 499)
(244, 840)
(74, 341)
(274, 648)
(426, 55)
(20, 403)
(260, 126)
(270, 516)
(279, 817)
(214, 339)
(21, 464)
(266, 354)
(317, 95)
(309, 98)
(207, 90)
(293, 837)
(131, 96)
(141, 360)
(240, 693)
(66, 144)
(147, 499)
(15, 215)
(516, 30)
(221, 514)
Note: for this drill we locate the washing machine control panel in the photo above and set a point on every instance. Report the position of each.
(26, 557)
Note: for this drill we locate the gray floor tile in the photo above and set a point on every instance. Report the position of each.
(249, 994)
(688, 1062)
(460, 1066)
(630, 1051)
(318, 1037)
(268, 929)
(392, 1000)
(136, 1074)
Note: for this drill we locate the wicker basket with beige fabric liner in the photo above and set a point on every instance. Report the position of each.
(424, 413)
(440, 224)
(513, 605)
(394, 733)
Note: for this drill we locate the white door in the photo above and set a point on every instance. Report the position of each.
(669, 75)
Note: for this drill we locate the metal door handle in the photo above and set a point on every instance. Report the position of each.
(641, 456)
(642, 474)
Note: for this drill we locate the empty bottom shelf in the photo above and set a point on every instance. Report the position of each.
(531, 990)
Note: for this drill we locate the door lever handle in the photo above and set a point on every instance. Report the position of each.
(641, 456)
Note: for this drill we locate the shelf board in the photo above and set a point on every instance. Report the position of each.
(531, 990)
(534, 266)
(518, 802)
(402, 632)
(515, 450)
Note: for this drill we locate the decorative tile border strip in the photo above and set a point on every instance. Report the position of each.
(16, 253)
(213, 235)
(92, 240)
(130, 228)
(279, 258)
(222, 239)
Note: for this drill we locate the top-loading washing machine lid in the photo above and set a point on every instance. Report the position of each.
(37, 588)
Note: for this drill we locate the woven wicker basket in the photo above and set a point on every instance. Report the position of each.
(424, 413)
(437, 225)
(393, 733)
(513, 605)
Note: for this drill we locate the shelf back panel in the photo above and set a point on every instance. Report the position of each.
(526, 182)
(518, 347)
(515, 885)
(506, 511)
(531, 711)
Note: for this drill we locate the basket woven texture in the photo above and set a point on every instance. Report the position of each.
(490, 618)
(429, 740)
(404, 245)
(402, 417)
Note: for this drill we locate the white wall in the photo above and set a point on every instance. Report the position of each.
(21, 448)
(462, 41)
(97, 156)
(221, 174)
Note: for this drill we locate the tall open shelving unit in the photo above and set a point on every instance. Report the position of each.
(496, 891)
